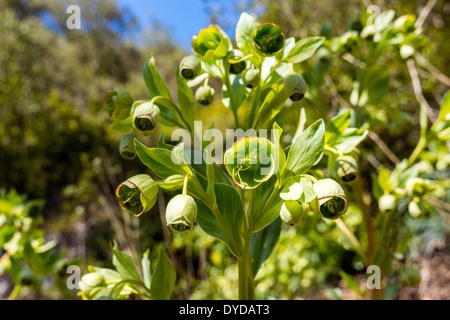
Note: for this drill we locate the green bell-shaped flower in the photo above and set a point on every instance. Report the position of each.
(250, 161)
(181, 213)
(211, 43)
(190, 67)
(387, 203)
(414, 208)
(295, 87)
(268, 39)
(349, 41)
(126, 147)
(417, 187)
(251, 78)
(324, 55)
(145, 117)
(346, 169)
(205, 95)
(234, 62)
(138, 194)
(118, 104)
(331, 202)
(291, 212)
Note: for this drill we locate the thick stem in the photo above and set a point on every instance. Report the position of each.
(246, 281)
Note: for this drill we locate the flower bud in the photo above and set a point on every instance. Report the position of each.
(291, 212)
(138, 194)
(331, 202)
(405, 23)
(386, 203)
(346, 169)
(414, 209)
(295, 87)
(349, 41)
(145, 117)
(251, 78)
(91, 280)
(118, 104)
(27, 278)
(172, 183)
(181, 213)
(126, 147)
(205, 95)
(234, 62)
(324, 55)
(211, 43)
(190, 67)
(268, 39)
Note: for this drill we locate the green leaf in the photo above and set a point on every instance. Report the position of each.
(161, 144)
(185, 99)
(350, 139)
(263, 243)
(230, 214)
(280, 157)
(351, 283)
(159, 160)
(154, 81)
(373, 84)
(238, 90)
(244, 28)
(15, 271)
(124, 265)
(163, 278)
(146, 273)
(307, 148)
(383, 179)
(272, 105)
(445, 107)
(179, 158)
(304, 49)
(336, 126)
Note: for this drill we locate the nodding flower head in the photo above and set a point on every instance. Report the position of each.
(417, 187)
(145, 117)
(138, 194)
(331, 201)
(350, 41)
(251, 78)
(235, 62)
(346, 169)
(268, 39)
(118, 104)
(205, 95)
(324, 55)
(211, 43)
(190, 67)
(181, 213)
(126, 147)
(250, 162)
(386, 203)
(295, 87)
(291, 212)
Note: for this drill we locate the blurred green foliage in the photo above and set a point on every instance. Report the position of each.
(56, 143)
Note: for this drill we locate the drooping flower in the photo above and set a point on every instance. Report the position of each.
(268, 39)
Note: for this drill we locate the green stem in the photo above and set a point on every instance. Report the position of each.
(233, 107)
(368, 223)
(14, 293)
(246, 281)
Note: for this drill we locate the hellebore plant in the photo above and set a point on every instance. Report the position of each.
(260, 184)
